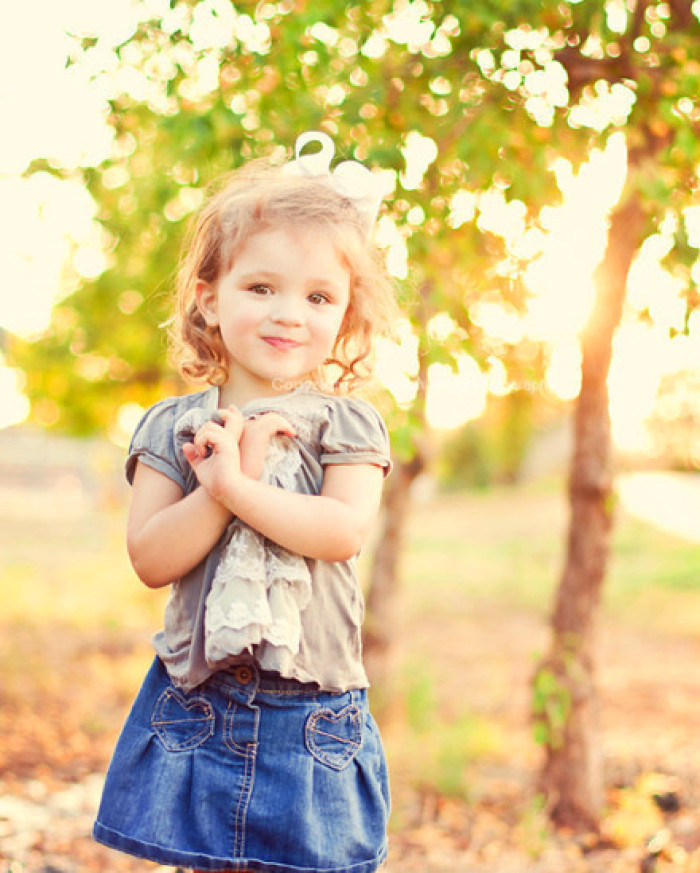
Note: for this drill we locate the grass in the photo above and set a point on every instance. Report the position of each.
(506, 546)
(648, 563)
(496, 546)
(74, 573)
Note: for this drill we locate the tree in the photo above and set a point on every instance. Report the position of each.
(651, 51)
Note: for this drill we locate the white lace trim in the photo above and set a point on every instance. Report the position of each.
(259, 588)
(282, 462)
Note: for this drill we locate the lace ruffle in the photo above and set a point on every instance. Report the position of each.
(257, 595)
(259, 588)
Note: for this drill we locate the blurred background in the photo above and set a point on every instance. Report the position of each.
(542, 224)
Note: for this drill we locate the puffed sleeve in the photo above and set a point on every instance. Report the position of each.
(353, 432)
(154, 445)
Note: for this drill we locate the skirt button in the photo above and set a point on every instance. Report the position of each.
(243, 674)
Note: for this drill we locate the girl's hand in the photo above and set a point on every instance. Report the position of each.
(214, 453)
(257, 433)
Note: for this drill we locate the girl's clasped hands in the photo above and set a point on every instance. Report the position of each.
(231, 447)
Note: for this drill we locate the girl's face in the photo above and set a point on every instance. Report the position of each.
(279, 310)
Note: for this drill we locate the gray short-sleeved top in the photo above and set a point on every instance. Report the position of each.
(330, 430)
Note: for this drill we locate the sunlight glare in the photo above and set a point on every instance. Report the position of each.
(67, 117)
(692, 223)
(127, 419)
(397, 363)
(563, 374)
(462, 208)
(50, 217)
(409, 24)
(603, 106)
(561, 279)
(418, 152)
(47, 218)
(633, 383)
(653, 289)
(14, 406)
(642, 355)
(501, 216)
(455, 398)
(388, 236)
(498, 320)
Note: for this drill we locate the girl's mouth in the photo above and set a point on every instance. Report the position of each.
(281, 343)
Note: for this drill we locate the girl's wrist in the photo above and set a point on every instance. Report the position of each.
(232, 491)
(208, 504)
(223, 491)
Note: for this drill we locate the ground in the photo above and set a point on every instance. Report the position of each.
(479, 575)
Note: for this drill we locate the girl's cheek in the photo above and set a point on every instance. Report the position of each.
(238, 325)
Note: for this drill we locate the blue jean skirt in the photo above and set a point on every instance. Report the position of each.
(248, 771)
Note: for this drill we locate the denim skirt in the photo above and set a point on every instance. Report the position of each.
(248, 771)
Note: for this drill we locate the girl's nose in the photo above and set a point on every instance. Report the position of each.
(287, 311)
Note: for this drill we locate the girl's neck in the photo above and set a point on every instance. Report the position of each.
(240, 396)
(230, 395)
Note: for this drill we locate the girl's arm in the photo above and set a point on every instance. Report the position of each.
(168, 534)
(331, 526)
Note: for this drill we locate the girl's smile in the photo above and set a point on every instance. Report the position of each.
(280, 342)
(279, 309)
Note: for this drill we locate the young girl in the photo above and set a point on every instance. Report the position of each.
(250, 746)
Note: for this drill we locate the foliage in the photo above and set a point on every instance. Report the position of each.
(207, 85)
(446, 746)
(496, 92)
(551, 704)
(493, 448)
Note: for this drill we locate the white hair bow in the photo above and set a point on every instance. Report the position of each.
(350, 179)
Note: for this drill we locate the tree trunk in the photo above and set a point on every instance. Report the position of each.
(382, 627)
(564, 695)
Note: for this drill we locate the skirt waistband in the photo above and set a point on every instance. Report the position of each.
(248, 679)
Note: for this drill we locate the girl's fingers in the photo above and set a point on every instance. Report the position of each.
(271, 423)
(281, 425)
(196, 454)
(207, 437)
(233, 420)
(204, 434)
(191, 453)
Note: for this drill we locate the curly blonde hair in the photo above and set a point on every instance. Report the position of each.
(254, 199)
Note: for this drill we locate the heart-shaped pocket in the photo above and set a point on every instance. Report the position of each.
(334, 738)
(182, 723)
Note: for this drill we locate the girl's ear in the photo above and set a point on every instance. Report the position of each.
(205, 294)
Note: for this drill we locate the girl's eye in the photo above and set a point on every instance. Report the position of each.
(260, 289)
(318, 298)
